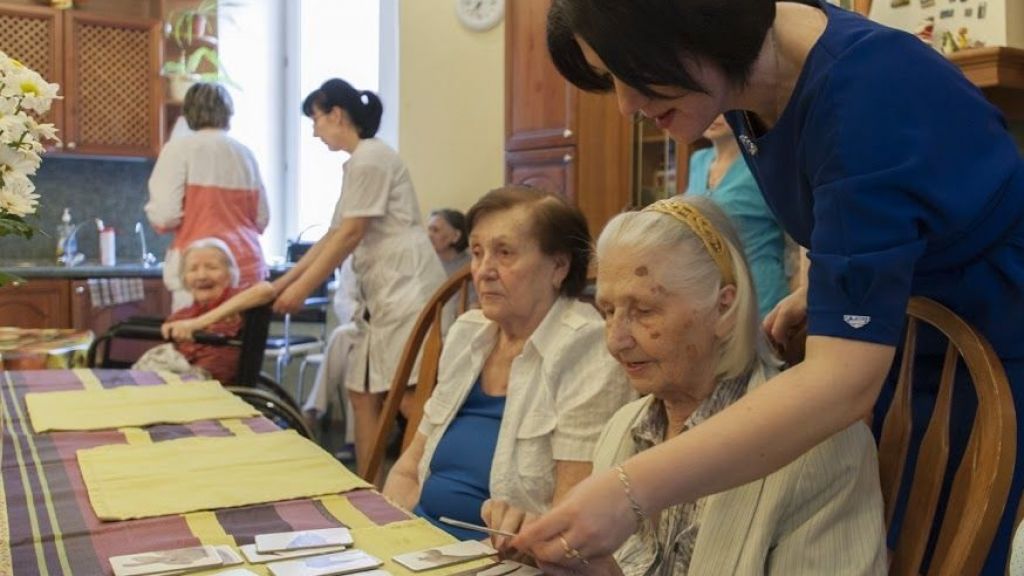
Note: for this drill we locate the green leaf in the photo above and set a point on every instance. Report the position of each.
(15, 225)
(6, 278)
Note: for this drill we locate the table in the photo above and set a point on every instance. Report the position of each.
(38, 348)
(47, 526)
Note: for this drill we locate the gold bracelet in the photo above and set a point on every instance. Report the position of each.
(637, 510)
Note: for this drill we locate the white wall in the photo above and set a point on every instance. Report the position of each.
(451, 104)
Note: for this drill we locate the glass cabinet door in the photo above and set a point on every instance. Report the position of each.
(655, 163)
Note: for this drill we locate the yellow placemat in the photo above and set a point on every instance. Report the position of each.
(190, 474)
(387, 541)
(134, 406)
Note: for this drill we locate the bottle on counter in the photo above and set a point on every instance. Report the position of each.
(67, 244)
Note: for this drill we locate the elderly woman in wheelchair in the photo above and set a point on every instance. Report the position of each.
(210, 274)
(681, 318)
(524, 385)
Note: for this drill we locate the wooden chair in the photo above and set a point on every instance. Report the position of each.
(425, 338)
(982, 479)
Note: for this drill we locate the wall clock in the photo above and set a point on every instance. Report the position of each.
(480, 15)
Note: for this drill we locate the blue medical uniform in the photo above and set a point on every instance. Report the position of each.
(901, 179)
(460, 471)
(763, 244)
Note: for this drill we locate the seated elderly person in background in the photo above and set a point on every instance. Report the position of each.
(210, 274)
(682, 319)
(525, 384)
(447, 230)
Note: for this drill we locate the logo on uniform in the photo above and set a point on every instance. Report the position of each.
(856, 320)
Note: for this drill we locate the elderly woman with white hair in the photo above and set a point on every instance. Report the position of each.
(210, 273)
(681, 317)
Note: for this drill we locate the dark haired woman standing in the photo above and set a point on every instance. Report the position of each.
(377, 222)
(878, 156)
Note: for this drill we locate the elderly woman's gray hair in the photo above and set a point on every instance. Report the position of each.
(208, 105)
(218, 244)
(691, 270)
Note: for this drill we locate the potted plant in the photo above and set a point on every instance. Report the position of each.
(193, 31)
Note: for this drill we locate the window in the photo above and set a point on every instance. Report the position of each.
(309, 41)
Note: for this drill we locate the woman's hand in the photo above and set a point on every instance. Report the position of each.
(503, 516)
(591, 522)
(291, 299)
(181, 330)
(787, 318)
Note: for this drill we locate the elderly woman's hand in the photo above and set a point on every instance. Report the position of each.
(181, 330)
(591, 522)
(503, 516)
(603, 566)
(786, 318)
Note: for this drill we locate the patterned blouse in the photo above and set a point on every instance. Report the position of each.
(664, 545)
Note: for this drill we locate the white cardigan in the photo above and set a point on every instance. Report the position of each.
(562, 389)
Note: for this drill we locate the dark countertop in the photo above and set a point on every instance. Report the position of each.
(44, 269)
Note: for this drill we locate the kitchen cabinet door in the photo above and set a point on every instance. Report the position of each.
(99, 319)
(36, 303)
(540, 108)
(33, 35)
(114, 96)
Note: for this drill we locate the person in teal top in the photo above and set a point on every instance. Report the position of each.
(720, 174)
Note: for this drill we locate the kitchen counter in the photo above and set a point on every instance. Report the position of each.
(45, 269)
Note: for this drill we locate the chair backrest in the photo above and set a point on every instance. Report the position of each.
(425, 341)
(982, 479)
(254, 341)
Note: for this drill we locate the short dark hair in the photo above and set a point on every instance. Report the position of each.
(456, 220)
(207, 105)
(558, 227)
(362, 106)
(636, 40)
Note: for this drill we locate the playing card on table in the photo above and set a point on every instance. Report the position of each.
(345, 562)
(255, 557)
(165, 561)
(445, 555)
(303, 539)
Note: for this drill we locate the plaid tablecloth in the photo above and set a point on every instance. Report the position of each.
(47, 526)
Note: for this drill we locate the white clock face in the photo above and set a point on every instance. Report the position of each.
(479, 14)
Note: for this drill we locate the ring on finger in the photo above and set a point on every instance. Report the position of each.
(570, 552)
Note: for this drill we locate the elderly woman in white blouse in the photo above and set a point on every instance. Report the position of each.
(681, 316)
(525, 383)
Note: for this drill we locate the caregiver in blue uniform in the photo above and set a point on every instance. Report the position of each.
(876, 154)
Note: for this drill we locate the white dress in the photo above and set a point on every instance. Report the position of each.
(395, 266)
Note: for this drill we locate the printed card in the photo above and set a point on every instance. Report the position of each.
(255, 557)
(165, 561)
(447, 555)
(346, 562)
(298, 540)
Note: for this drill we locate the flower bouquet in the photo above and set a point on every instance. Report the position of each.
(24, 95)
(21, 141)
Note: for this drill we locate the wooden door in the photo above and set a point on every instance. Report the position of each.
(551, 170)
(35, 303)
(540, 106)
(112, 85)
(33, 35)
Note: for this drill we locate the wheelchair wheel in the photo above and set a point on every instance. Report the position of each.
(270, 385)
(273, 408)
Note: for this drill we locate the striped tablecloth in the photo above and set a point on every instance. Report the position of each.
(47, 526)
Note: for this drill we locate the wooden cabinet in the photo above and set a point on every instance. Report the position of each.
(108, 69)
(64, 303)
(558, 137)
(39, 303)
(156, 302)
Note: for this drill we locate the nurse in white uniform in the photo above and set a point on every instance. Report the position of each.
(377, 221)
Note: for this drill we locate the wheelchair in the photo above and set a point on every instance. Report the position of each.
(251, 385)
